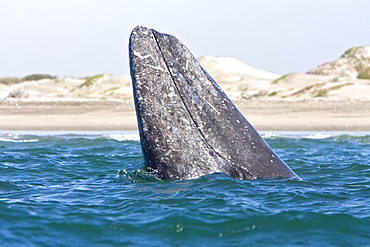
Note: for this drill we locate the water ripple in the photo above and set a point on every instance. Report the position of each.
(91, 189)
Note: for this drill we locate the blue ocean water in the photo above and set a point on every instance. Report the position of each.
(90, 189)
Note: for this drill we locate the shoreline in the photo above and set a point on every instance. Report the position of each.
(106, 115)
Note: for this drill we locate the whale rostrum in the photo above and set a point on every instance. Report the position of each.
(188, 126)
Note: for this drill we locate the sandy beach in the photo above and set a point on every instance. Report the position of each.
(287, 115)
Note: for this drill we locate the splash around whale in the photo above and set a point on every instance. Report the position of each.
(188, 126)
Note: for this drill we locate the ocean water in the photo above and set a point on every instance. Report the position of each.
(90, 189)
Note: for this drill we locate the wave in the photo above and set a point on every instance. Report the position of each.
(124, 137)
(36, 136)
(17, 140)
(315, 135)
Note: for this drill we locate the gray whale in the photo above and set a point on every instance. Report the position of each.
(188, 126)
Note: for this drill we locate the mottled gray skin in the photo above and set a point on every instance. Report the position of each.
(188, 126)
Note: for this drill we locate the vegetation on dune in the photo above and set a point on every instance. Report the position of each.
(305, 89)
(336, 79)
(322, 93)
(33, 77)
(90, 80)
(280, 78)
(111, 90)
(10, 80)
(36, 77)
(351, 50)
(325, 91)
(273, 94)
(364, 74)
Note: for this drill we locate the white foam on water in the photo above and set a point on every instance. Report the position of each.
(32, 136)
(311, 134)
(124, 137)
(318, 136)
(18, 141)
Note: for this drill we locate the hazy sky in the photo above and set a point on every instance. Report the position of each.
(87, 37)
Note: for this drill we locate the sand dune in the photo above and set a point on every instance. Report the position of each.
(333, 96)
(354, 63)
(337, 80)
(103, 86)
